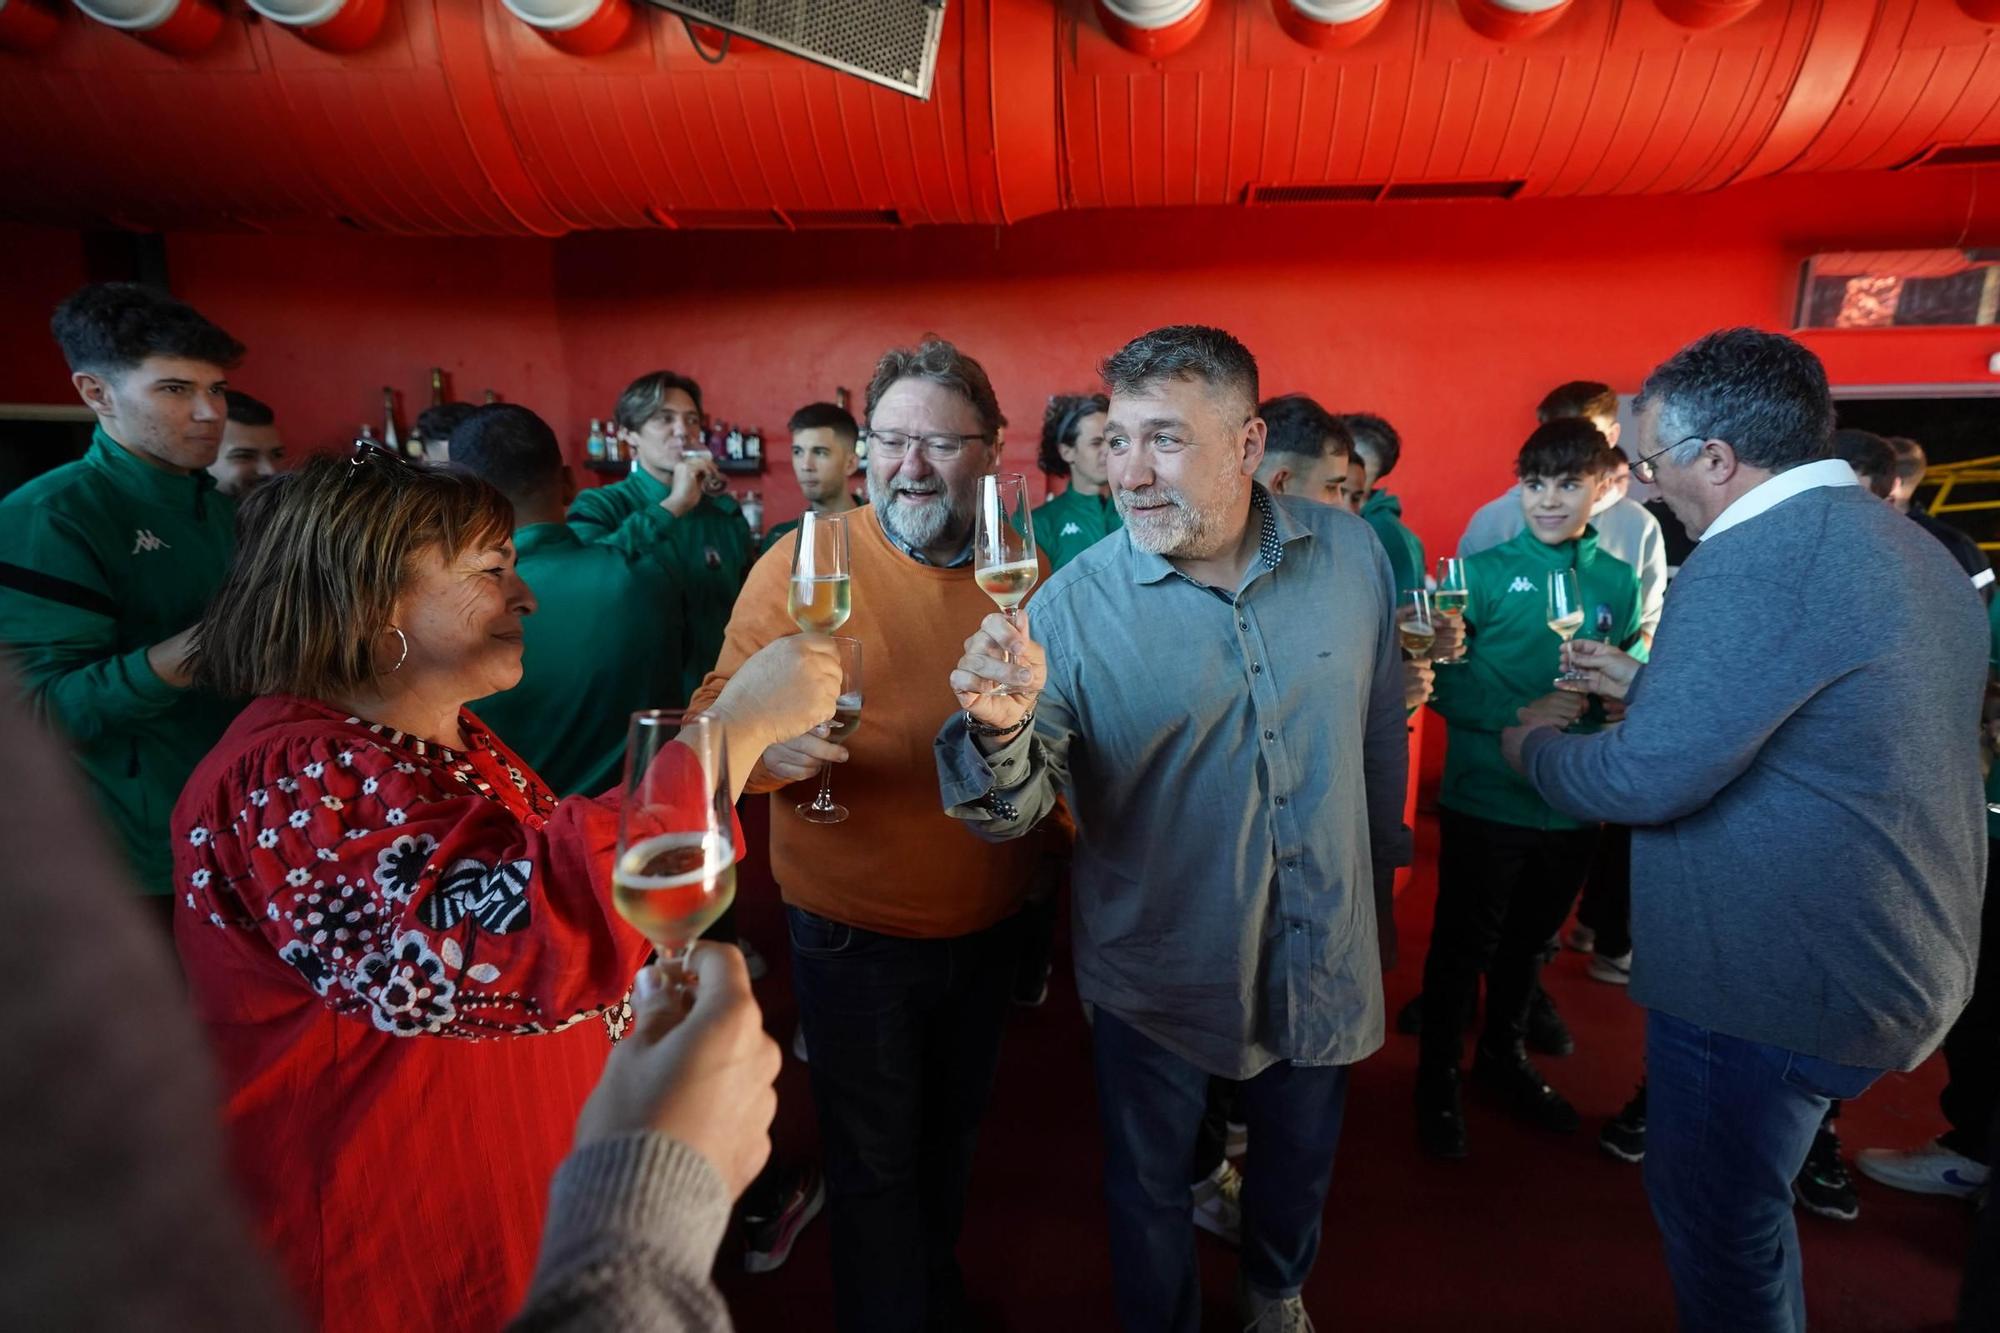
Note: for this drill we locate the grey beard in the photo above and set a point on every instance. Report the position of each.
(917, 530)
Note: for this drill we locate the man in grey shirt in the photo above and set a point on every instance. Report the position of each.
(1801, 761)
(1218, 695)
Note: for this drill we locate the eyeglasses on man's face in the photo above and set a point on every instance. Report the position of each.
(938, 446)
(1643, 468)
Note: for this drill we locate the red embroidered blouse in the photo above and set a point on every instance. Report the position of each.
(408, 962)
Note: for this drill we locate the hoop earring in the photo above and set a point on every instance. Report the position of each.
(405, 640)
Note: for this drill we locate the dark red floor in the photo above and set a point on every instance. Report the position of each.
(1531, 1233)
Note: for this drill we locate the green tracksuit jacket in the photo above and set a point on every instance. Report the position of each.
(1384, 513)
(1072, 523)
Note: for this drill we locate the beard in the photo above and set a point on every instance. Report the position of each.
(922, 525)
(1182, 528)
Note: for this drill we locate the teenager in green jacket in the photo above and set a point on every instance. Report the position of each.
(1509, 865)
(1379, 448)
(107, 563)
(1069, 524)
(660, 510)
(824, 437)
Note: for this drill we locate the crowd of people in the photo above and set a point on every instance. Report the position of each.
(357, 726)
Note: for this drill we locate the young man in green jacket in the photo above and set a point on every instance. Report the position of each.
(660, 510)
(824, 437)
(1069, 524)
(107, 563)
(1509, 865)
(1379, 448)
(605, 637)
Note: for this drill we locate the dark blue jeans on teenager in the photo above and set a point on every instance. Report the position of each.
(1150, 1103)
(1728, 1125)
(902, 1038)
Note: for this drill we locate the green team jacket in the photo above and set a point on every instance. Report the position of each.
(1384, 513)
(1512, 657)
(790, 525)
(99, 560)
(1072, 523)
(709, 550)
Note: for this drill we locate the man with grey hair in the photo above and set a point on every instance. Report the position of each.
(903, 925)
(1800, 761)
(1217, 694)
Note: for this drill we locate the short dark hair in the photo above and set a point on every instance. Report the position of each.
(1762, 393)
(1183, 352)
(438, 422)
(111, 327)
(509, 447)
(1911, 464)
(1295, 424)
(825, 416)
(246, 411)
(1565, 447)
(1060, 420)
(1871, 457)
(1373, 437)
(643, 396)
(939, 362)
(1578, 398)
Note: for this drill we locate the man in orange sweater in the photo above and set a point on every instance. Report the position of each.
(902, 921)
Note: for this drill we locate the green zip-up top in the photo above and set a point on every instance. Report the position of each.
(1512, 658)
(604, 642)
(709, 550)
(1072, 523)
(100, 559)
(789, 526)
(1384, 513)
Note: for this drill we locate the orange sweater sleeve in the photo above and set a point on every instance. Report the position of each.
(758, 618)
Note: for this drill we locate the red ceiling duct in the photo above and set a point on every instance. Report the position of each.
(1702, 14)
(178, 27)
(28, 25)
(331, 25)
(1330, 24)
(1986, 11)
(1153, 28)
(1511, 20)
(580, 27)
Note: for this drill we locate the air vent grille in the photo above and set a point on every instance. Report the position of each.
(890, 42)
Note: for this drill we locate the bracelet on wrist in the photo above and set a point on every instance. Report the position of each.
(978, 728)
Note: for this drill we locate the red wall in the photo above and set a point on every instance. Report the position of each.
(1449, 319)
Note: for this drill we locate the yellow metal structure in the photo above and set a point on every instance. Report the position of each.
(1976, 474)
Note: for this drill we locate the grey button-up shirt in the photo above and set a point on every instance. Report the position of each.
(1235, 763)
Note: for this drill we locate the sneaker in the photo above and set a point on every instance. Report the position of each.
(753, 962)
(1823, 1185)
(1218, 1204)
(799, 1044)
(1235, 1138)
(1581, 938)
(1440, 1114)
(1613, 969)
(1931, 1169)
(767, 1241)
(1547, 1033)
(1271, 1314)
(1030, 993)
(1522, 1087)
(1624, 1134)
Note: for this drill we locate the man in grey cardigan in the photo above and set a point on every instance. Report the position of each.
(1800, 758)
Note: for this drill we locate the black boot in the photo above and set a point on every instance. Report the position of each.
(1547, 1033)
(1440, 1116)
(1508, 1072)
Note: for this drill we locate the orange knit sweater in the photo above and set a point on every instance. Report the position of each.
(898, 864)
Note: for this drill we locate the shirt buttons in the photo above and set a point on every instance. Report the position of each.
(1270, 735)
(1281, 802)
(1243, 624)
(1256, 668)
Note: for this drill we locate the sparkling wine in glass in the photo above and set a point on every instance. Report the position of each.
(1003, 547)
(823, 809)
(675, 871)
(1565, 610)
(1450, 596)
(1414, 625)
(821, 598)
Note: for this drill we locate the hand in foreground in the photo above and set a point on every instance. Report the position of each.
(984, 666)
(1449, 645)
(1606, 671)
(1418, 680)
(1558, 709)
(697, 1067)
(778, 696)
(171, 659)
(691, 477)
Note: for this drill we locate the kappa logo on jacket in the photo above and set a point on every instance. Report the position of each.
(1521, 583)
(144, 540)
(1070, 530)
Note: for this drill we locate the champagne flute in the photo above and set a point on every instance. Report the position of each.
(846, 717)
(1450, 598)
(714, 483)
(675, 871)
(1003, 548)
(1414, 625)
(1565, 610)
(820, 599)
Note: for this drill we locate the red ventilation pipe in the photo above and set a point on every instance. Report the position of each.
(1329, 24)
(1511, 20)
(28, 25)
(1152, 28)
(178, 27)
(331, 25)
(580, 27)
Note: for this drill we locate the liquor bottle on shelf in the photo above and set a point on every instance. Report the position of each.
(614, 442)
(732, 445)
(594, 446)
(390, 438)
(753, 512)
(717, 436)
(437, 386)
(492, 397)
(415, 444)
(753, 446)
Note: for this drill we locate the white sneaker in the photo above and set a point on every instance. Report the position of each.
(1271, 1314)
(1931, 1169)
(1218, 1203)
(1236, 1139)
(1613, 969)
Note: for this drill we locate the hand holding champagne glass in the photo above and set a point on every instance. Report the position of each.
(821, 593)
(1449, 601)
(1565, 609)
(846, 717)
(675, 871)
(1414, 624)
(1003, 545)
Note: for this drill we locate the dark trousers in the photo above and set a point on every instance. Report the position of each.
(1151, 1102)
(1607, 893)
(905, 1037)
(1971, 1098)
(1502, 891)
(1979, 1301)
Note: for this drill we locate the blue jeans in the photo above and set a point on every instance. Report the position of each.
(1728, 1125)
(902, 1038)
(1150, 1102)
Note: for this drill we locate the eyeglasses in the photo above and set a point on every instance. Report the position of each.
(937, 447)
(367, 449)
(1643, 468)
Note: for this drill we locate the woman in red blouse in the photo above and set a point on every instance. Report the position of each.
(402, 946)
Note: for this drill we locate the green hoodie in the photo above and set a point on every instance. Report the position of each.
(100, 559)
(1384, 513)
(1072, 523)
(709, 550)
(1512, 658)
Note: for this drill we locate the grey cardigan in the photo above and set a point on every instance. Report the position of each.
(1801, 758)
